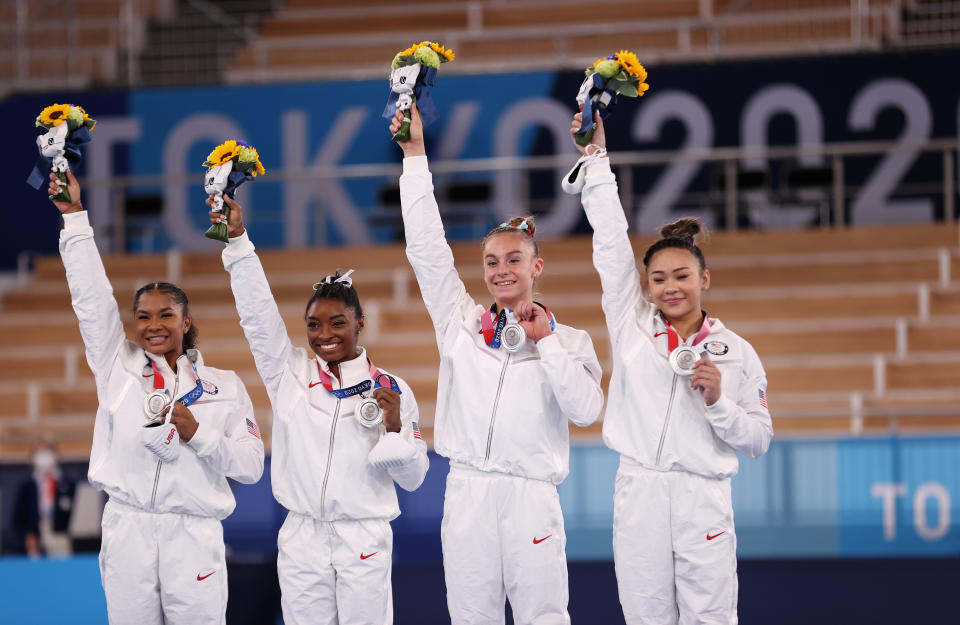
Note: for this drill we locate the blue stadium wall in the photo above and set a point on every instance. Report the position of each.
(298, 127)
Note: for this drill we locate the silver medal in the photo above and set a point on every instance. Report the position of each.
(513, 337)
(682, 360)
(369, 413)
(154, 403)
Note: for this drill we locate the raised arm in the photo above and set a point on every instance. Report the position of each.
(90, 291)
(427, 248)
(259, 316)
(612, 252)
(236, 451)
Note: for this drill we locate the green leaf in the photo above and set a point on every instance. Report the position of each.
(629, 90)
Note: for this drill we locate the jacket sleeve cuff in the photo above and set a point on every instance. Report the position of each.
(237, 248)
(204, 439)
(598, 172)
(415, 165)
(722, 408)
(75, 221)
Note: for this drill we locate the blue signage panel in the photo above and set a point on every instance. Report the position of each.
(304, 129)
(806, 498)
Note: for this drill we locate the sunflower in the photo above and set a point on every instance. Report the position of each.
(445, 53)
(88, 121)
(414, 47)
(629, 61)
(222, 153)
(53, 115)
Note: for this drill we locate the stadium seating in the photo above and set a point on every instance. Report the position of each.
(315, 38)
(859, 329)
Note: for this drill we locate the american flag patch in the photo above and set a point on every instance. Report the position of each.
(763, 398)
(252, 428)
(416, 430)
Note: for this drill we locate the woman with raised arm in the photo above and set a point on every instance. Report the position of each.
(343, 433)
(511, 377)
(169, 431)
(686, 394)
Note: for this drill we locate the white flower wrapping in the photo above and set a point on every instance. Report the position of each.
(215, 182)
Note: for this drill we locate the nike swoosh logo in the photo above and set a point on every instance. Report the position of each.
(312, 384)
(201, 578)
(537, 541)
(369, 555)
(659, 334)
(709, 537)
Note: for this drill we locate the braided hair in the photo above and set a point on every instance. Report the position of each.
(337, 287)
(192, 336)
(681, 234)
(522, 225)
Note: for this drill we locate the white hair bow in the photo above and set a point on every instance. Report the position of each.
(345, 278)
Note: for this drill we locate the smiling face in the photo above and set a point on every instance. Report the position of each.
(675, 282)
(333, 330)
(160, 323)
(510, 268)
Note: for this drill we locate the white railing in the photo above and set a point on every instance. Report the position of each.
(507, 177)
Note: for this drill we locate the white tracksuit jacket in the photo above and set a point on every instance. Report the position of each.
(496, 411)
(119, 464)
(319, 451)
(501, 419)
(653, 417)
(673, 537)
(162, 559)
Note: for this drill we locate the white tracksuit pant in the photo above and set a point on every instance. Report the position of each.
(503, 534)
(163, 569)
(335, 572)
(674, 547)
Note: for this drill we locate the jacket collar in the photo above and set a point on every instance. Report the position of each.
(352, 371)
(660, 324)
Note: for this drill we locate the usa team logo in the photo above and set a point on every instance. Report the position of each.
(716, 348)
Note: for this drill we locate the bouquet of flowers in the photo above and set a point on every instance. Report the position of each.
(618, 74)
(412, 73)
(67, 128)
(229, 165)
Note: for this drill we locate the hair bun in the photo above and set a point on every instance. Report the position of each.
(688, 228)
(523, 223)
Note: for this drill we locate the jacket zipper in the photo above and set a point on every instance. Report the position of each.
(666, 419)
(496, 402)
(326, 475)
(156, 477)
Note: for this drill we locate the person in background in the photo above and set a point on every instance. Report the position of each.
(43, 504)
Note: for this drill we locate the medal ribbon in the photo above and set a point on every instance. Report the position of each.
(673, 339)
(189, 397)
(491, 335)
(341, 393)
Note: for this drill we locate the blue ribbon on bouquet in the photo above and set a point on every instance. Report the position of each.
(421, 91)
(71, 150)
(234, 180)
(598, 89)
